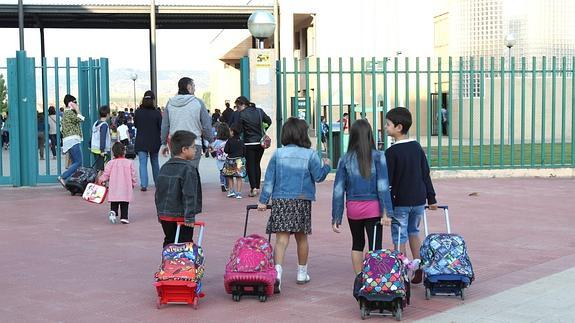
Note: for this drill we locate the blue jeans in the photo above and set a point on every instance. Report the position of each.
(406, 220)
(143, 158)
(76, 157)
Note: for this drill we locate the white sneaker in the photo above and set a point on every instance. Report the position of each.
(302, 276)
(238, 195)
(112, 217)
(125, 221)
(231, 194)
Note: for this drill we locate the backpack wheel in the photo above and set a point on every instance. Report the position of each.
(236, 297)
(398, 312)
(427, 293)
(263, 298)
(462, 294)
(363, 310)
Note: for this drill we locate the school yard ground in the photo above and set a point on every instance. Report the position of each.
(63, 262)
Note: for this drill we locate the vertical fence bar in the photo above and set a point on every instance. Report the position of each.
(318, 106)
(533, 99)
(285, 113)
(307, 92)
(68, 75)
(563, 106)
(553, 107)
(385, 104)
(375, 112)
(280, 115)
(512, 111)
(295, 102)
(341, 152)
(396, 81)
(363, 115)
(502, 113)
(491, 111)
(450, 113)
(407, 105)
(439, 115)
(460, 150)
(429, 108)
(481, 108)
(522, 152)
(573, 112)
(471, 113)
(543, 103)
(56, 105)
(45, 112)
(352, 94)
(330, 112)
(417, 102)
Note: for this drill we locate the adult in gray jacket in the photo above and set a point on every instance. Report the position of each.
(187, 112)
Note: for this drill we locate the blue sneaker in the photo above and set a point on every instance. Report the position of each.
(231, 194)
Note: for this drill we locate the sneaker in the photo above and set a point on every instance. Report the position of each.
(231, 194)
(253, 192)
(417, 276)
(224, 189)
(112, 217)
(143, 189)
(238, 196)
(278, 283)
(124, 221)
(302, 276)
(61, 181)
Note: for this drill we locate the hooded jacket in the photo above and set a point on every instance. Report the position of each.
(187, 112)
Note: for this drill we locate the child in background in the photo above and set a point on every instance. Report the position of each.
(123, 131)
(289, 182)
(101, 139)
(410, 184)
(234, 166)
(178, 189)
(362, 178)
(217, 148)
(121, 176)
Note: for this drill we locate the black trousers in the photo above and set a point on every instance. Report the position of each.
(123, 206)
(358, 230)
(254, 155)
(53, 144)
(170, 227)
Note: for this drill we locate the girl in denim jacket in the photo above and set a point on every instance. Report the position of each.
(362, 177)
(290, 183)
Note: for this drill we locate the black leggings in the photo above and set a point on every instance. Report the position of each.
(170, 227)
(254, 155)
(123, 206)
(357, 228)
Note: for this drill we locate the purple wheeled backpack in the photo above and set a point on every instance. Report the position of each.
(383, 284)
(445, 261)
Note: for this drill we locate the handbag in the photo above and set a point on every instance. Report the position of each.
(266, 141)
(95, 193)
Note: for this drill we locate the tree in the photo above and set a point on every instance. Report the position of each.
(207, 98)
(3, 103)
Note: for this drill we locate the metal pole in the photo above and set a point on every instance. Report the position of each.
(21, 23)
(510, 98)
(153, 67)
(134, 95)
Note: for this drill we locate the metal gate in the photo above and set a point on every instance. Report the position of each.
(33, 155)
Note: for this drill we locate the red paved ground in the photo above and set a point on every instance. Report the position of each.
(62, 261)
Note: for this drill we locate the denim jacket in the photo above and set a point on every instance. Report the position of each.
(178, 190)
(292, 173)
(348, 180)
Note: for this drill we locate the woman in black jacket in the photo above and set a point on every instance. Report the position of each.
(251, 120)
(148, 122)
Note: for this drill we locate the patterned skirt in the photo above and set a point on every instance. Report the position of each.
(234, 167)
(289, 215)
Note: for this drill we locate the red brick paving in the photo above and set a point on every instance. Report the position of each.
(62, 261)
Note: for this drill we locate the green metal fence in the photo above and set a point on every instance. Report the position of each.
(33, 157)
(501, 113)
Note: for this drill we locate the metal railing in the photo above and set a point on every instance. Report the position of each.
(517, 113)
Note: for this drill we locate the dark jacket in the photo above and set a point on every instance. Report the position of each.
(251, 119)
(179, 190)
(149, 125)
(235, 148)
(227, 116)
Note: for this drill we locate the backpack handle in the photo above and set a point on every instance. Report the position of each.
(254, 207)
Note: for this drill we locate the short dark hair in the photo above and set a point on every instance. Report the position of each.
(68, 98)
(223, 131)
(118, 149)
(181, 139)
(400, 116)
(244, 101)
(294, 132)
(183, 85)
(51, 110)
(148, 100)
(104, 111)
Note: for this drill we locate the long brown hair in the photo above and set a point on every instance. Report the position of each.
(361, 143)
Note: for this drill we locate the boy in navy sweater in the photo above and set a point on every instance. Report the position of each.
(410, 184)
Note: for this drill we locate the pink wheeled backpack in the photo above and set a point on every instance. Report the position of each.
(250, 270)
